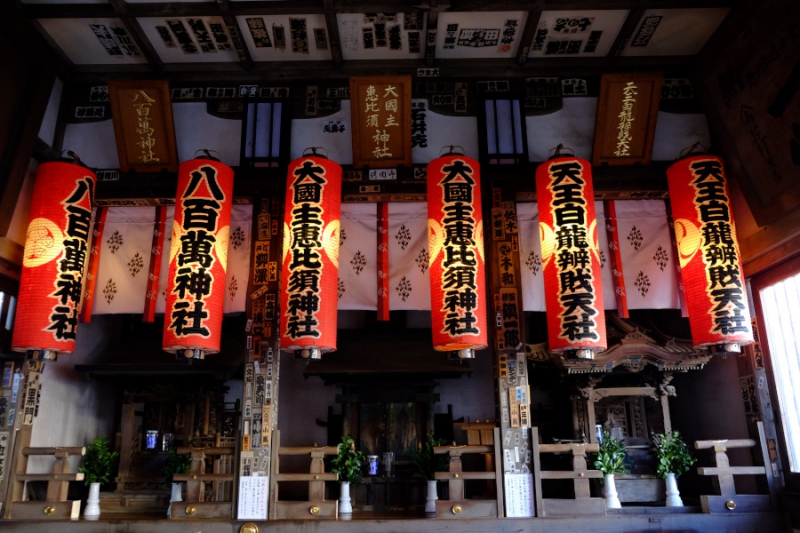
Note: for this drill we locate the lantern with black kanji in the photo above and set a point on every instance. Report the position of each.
(56, 248)
(570, 257)
(711, 266)
(457, 266)
(198, 259)
(310, 259)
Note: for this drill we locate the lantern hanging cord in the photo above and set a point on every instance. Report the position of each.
(452, 150)
(207, 153)
(314, 151)
(686, 152)
(558, 149)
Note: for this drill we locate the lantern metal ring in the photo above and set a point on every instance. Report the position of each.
(314, 151)
(556, 151)
(206, 154)
(452, 150)
(75, 158)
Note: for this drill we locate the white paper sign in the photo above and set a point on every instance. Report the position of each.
(253, 493)
(519, 495)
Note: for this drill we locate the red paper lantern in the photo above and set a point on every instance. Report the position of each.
(56, 248)
(455, 242)
(570, 257)
(310, 260)
(198, 258)
(711, 266)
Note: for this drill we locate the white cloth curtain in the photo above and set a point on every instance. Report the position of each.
(358, 249)
(409, 273)
(161, 301)
(647, 254)
(645, 250)
(409, 285)
(239, 245)
(124, 263)
(531, 277)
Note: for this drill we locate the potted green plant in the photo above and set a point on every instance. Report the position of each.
(177, 463)
(348, 463)
(98, 465)
(610, 460)
(674, 459)
(428, 463)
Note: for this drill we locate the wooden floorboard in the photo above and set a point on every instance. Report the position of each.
(372, 523)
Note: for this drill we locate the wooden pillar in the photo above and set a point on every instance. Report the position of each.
(194, 487)
(507, 323)
(665, 414)
(20, 465)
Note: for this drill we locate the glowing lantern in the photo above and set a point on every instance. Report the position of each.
(198, 258)
(455, 243)
(711, 266)
(310, 260)
(570, 257)
(56, 248)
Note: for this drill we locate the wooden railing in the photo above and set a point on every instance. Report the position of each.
(583, 504)
(195, 505)
(55, 505)
(458, 506)
(728, 500)
(316, 506)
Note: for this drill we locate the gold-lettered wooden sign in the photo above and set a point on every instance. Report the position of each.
(143, 126)
(380, 110)
(626, 119)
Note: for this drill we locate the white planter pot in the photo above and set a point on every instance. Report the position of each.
(345, 506)
(430, 500)
(610, 490)
(673, 496)
(92, 510)
(175, 496)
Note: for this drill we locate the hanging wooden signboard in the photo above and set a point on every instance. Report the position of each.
(380, 110)
(143, 126)
(626, 119)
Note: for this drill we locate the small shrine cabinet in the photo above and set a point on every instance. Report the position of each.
(181, 406)
(626, 390)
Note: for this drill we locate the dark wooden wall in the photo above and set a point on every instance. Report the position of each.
(748, 77)
(29, 70)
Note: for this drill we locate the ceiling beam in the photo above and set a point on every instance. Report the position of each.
(333, 36)
(299, 7)
(625, 33)
(137, 34)
(455, 69)
(528, 34)
(235, 33)
(431, 26)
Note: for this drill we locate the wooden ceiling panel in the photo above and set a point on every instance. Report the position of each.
(286, 37)
(98, 41)
(168, 1)
(189, 39)
(486, 34)
(589, 33)
(381, 36)
(65, 2)
(674, 32)
(239, 40)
